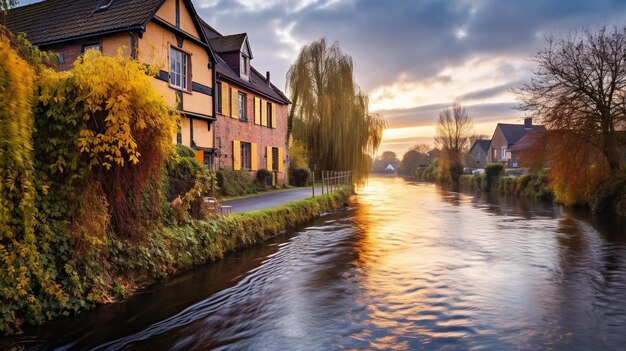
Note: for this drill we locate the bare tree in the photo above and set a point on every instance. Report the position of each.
(454, 128)
(579, 89)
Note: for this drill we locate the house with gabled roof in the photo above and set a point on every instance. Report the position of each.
(505, 136)
(167, 33)
(477, 155)
(252, 113)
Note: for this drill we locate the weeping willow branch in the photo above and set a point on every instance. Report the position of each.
(330, 113)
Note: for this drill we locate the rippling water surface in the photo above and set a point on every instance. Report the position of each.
(408, 267)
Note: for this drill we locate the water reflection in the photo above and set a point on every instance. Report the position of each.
(409, 267)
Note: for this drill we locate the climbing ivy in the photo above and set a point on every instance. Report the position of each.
(80, 151)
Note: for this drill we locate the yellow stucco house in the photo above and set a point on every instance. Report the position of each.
(166, 33)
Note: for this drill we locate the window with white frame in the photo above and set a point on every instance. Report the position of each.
(503, 152)
(244, 63)
(179, 69)
(241, 105)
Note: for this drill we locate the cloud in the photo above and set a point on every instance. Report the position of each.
(427, 115)
(414, 57)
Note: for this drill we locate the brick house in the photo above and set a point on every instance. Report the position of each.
(252, 114)
(167, 33)
(503, 139)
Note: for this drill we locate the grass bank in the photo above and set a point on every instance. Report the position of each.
(128, 266)
(532, 186)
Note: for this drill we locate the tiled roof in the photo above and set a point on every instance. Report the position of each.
(482, 143)
(209, 32)
(257, 82)
(56, 20)
(228, 43)
(514, 132)
(528, 140)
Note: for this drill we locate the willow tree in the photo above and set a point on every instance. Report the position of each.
(330, 113)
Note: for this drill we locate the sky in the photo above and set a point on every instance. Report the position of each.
(415, 58)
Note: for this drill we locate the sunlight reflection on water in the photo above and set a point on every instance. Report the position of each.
(409, 267)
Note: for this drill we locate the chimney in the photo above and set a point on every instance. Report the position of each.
(528, 123)
(267, 77)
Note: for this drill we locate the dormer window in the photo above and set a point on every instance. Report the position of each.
(244, 66)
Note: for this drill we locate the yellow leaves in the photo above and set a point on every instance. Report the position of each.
(116, 102)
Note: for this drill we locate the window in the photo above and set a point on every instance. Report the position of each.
(208, 160)
(244, 65)
(179, 69)
(241, 105)
(495, 154)
(220, 103)
(246, 155)
(269, 115)
(179, 137)
(503, 154)
(275, 159)
(91, 47)
(61, 57)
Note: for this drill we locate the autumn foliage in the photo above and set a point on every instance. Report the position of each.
(118, 119)
(26, 281)
(78, 151)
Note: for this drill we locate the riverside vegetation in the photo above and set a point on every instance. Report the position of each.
(608, 197)
(87, 169)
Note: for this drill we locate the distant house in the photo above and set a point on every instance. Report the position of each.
(531, 142)
(390, 168)
(477, 155)
(503, 139)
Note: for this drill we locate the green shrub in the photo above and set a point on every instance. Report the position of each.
(493, 171)
(610, 197)
(471, 182)
(263, 178)
(456, 170)
(235, 183)
(181, 171)
(299, 176)
(428, 174)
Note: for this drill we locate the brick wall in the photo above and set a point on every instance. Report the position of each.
(70, 52)
(228, 129)
(497, 142)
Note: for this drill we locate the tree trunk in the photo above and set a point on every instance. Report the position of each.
(610, 151)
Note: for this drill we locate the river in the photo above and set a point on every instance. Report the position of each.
(409, 267)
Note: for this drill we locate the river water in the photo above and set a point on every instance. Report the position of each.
(409, 267)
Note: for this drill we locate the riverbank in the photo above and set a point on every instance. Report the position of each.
(531, 186)
(174, 249)
(123, 267)
(609, 197)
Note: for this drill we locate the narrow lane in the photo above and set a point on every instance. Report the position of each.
(272, 199)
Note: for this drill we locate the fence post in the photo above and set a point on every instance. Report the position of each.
(313, 184)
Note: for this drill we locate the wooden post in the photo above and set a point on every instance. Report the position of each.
(327, 182)
(313, 184)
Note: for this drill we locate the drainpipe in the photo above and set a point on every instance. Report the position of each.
(133, 44)
(214, 79)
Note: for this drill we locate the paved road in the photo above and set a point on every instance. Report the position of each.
(272, 199)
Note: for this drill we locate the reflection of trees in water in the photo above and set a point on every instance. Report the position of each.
(514, 206)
